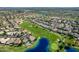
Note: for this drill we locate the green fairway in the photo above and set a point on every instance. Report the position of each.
(39, 31)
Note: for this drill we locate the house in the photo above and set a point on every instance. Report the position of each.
(4, 40)
(32, 38)
(28, 44)
(17, 41)
(9, 42)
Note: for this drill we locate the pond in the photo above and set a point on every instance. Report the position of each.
(42, 46)
(70, 49)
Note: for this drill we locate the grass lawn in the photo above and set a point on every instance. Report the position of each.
(39, 31)
(7, 48)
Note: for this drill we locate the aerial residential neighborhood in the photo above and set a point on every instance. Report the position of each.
(11, 33)
(60, 25)
(22, 29)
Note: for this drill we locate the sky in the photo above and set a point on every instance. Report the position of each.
(39, 3)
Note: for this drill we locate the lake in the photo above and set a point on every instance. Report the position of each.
(42, 46)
